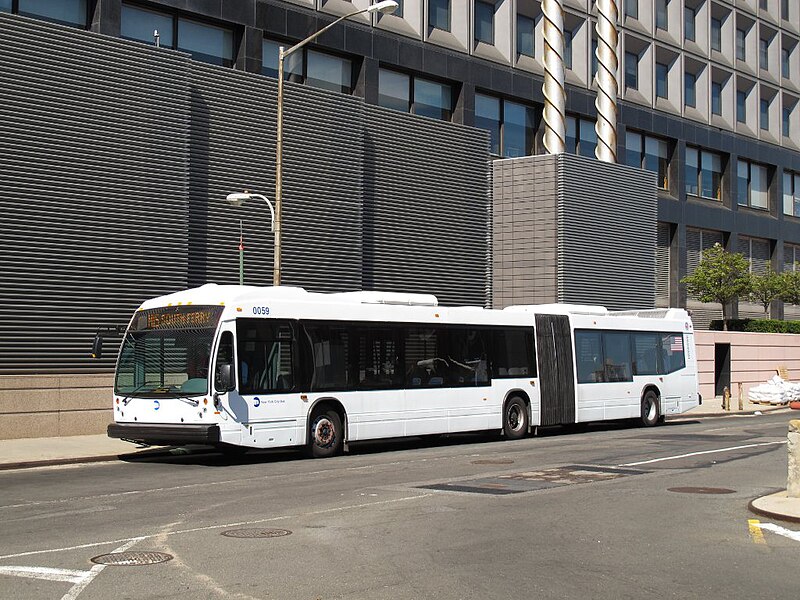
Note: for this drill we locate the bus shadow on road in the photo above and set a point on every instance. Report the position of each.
(206, 456)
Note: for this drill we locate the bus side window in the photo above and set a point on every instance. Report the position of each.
(224, 357)
(589, 357)
(672, 352)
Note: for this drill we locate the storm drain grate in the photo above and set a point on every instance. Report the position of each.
(701, 490)
(527, 481)
(132, 558)
(256, 533)
(493, 461)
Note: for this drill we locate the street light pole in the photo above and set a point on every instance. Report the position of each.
(386, 7)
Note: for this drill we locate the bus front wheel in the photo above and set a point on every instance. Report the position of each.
(650, 413)
(326, 434)
(515, 418)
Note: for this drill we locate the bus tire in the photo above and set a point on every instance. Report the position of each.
(515, 418)
(326, 434)
(650, 413)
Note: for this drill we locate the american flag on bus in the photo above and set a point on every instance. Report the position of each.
(676, 343)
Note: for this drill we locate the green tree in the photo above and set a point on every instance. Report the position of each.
(720, 277)
(766, 288)
(791, 285)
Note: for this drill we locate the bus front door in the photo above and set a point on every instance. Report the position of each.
(556, 376)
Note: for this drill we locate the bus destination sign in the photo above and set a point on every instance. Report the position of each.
(178, 317)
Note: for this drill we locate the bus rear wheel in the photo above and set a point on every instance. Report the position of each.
(326, 434)
(515, 418)
(650, 413)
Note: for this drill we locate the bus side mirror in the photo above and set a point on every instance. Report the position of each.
(223, 380)
(97, 346)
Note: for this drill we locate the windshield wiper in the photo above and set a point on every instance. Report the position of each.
(130, 394)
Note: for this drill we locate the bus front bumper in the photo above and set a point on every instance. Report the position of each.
(164, 435)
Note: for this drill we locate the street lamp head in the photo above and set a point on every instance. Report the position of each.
(238, 198)
(385, 6)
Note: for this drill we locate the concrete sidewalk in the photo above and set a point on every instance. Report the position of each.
(38, 452)
(712, 407)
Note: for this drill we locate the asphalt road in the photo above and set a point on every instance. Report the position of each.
(460, 517)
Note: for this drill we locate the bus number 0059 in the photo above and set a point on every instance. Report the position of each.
(261, 310)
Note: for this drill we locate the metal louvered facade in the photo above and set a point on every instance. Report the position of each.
(697, 241)
(572, 229)
(115, 159)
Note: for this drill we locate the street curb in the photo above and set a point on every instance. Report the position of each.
(746, 413)
(762, 512)
(77, 460)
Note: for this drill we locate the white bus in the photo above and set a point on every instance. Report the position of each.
(246, 367)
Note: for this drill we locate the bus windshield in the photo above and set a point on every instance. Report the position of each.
(167, 352)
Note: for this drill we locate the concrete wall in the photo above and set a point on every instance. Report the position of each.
(755, 358)
(53, 405)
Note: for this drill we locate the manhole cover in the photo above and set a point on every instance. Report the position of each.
(701, 490)
(493, 461)
(132, 559)
(256, 533)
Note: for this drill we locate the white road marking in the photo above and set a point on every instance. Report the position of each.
(718, 450)
(133, 540)
(68, 575)
(792, 535)
(76, 589)
(247, 481)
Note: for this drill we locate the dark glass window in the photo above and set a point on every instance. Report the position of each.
(763, 53)
(631, 70)
(741, 106)
(646, 350)
(292, 64)
(690, 89)
(224, 357)
(791, 195)
(716, 34)
(329, 72)
(207, 43)
(661, 14)
(662, 89)
(785, 62)
(513, 353)
(617, 356)
(398, 12)
(785, 10)
(689, 16)
(331, 367)
(589, 356)
(525, 36)
(764, 113)
(703, 173)
(141, 24)
(519, 129)
(588, 138)
(394, 90)
(787, 121)
(425, 363)
(581, 137)
(632, 8)
(378, 358)
(716, 98)
(66, 12)
(484, 22)
(5, 5)
(673, 358)
(740, 44)
(266, 356)
(439, 14)
(752, 184)
(467, 360)
(432, 99)
(650, 153)
(568, 48)
(487, 116)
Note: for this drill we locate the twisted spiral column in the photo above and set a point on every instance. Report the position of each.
(606, 102)
(555, 96)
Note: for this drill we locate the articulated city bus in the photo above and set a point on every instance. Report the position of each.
(246, 367)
